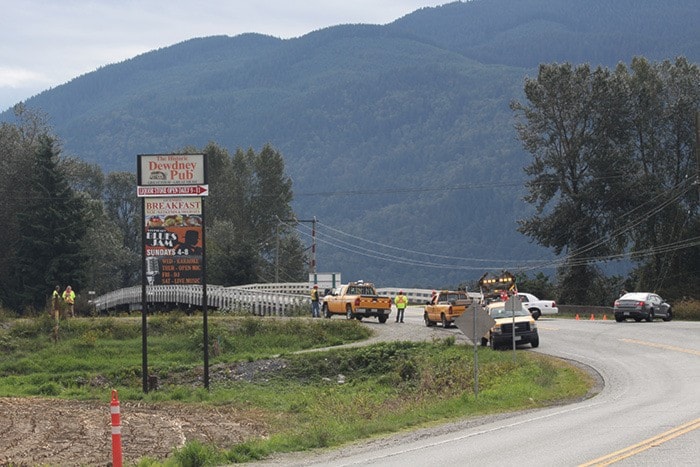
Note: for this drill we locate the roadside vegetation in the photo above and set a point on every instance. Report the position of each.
(307, 399)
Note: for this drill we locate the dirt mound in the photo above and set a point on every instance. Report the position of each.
(59, 432)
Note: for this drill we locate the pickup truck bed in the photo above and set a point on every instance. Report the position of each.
(357, 300)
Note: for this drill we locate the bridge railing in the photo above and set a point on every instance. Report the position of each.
(246, 298)
(259, 299)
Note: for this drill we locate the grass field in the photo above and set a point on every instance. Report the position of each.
(308, 400)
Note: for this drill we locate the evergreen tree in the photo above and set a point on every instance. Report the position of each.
(52, 226)
(17, 146)
(249, 195)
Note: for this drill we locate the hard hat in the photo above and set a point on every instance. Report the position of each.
(401, 292)
(315, 287)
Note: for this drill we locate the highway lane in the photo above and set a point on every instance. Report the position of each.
(648, 412)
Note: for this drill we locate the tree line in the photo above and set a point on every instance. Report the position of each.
(67, 223)
(614, 173)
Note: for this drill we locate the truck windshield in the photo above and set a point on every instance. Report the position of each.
(453, 297)
(500, 312)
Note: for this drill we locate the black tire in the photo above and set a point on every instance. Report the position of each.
(637, 319)
(619, 318)
(535, 342)
(443, 320)
(669, 315)
(535, 313)
(326, 313)
(348, 312)
(650, 316)
(492, 343)
(382, 319)
(428, 323)
(484, 342)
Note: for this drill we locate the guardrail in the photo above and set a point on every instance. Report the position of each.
(246, 298)
(259, 299)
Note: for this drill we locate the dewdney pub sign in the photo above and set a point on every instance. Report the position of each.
(173, 222)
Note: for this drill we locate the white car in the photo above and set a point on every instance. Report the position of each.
(536, 306)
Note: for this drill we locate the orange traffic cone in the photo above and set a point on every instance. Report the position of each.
(605, 317)
(577, 318)
(592, 317)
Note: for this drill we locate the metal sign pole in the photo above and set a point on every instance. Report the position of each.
(144, 306)
(476, 360)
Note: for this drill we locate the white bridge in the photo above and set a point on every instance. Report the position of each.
(281, 299)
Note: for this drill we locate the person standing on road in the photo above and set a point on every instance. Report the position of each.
(315, 313)
(401, 302)
(69, 299)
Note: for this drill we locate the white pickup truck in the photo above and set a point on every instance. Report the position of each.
(536, 306)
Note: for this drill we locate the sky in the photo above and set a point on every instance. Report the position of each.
(45, 43)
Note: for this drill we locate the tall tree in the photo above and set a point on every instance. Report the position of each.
(18, 142)
(250, 194)
(663, 100)
(613, 170)
(570, 129)
(52, 227)
(123, 214)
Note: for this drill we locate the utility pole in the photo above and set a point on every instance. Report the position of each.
(312, 267)
(697, 149)
(277, 253)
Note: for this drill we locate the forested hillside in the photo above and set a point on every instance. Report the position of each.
(398, 134)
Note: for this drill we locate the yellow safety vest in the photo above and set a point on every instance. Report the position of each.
(401, 301)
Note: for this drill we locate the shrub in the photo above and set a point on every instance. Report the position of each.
(688, 309)
(196, 454)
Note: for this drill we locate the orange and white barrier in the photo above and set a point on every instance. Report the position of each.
(116, 431)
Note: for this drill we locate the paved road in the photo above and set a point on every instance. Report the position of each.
(647, 414)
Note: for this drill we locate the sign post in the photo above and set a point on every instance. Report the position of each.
(172, 187)
(512, 305)
(474, 323)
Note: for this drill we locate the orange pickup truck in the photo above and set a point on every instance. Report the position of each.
(445, 306)
(357, 300)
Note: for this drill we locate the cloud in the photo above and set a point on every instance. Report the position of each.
(47, 43)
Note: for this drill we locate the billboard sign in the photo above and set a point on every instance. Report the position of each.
(171, 169)
(173, 240)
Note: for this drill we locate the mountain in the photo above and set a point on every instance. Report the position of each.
(399, 138)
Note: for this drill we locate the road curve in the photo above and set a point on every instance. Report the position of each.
(648, 412)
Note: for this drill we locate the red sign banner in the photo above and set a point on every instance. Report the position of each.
(175, 190)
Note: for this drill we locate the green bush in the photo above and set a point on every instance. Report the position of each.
(688, 309)
(196, 454)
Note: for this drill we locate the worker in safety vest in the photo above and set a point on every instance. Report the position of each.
(315, 313)
(401, 302)
(69, 300)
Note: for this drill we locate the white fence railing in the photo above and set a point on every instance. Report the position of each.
(248, 298)
(258, 299)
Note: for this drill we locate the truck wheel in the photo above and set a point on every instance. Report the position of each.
(493, 343)
(326, 313)
(348, 312)
(427, 320)
(484, 342)
(382, 319)
(535, 342)
(445, 323)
